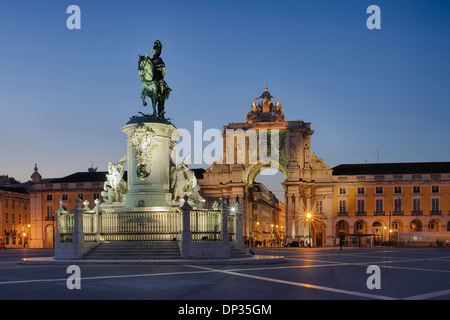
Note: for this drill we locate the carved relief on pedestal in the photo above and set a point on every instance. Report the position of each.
(144, 141)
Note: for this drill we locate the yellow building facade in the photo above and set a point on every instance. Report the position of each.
(15, 217)
(45, 195)
(375, 203)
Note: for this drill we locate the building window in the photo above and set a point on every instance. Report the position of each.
(49, 211)
(319, 206)
(342, 191)
(379, 178)
(397, 205)
(80, 196)
(13, 216)
(398, 177)
(435, 177)
(360, 190)
(359, 226)
(416, 205)
(6, 217)
(64, 197)
(435, 189)
(49, 197)
(361, 206)
(416, 177)
(394, 225)
(379, 206)
(379, 190)
(6, 203)
(397, 190)
(342, 206)
(342, 225)
(96, 196)
(434, 205)
(431, 224)
(416, 189)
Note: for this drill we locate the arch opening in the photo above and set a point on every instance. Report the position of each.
(266, 203)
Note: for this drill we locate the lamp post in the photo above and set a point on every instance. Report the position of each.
(390, 229)
(257, 231)
(29, 234)
(308, 220)
(271, 235)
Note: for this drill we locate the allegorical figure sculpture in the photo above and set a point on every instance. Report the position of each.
(265, 111)
(183, 183)
(115, 187)
(152, 72)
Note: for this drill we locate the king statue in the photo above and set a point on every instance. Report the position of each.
(152, 71)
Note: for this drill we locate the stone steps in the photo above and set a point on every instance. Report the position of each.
(135, 251)
(145, 251)
(238, 253)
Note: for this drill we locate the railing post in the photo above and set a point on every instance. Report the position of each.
(239, 242)
(97, 220)
(59, 221)
(225, 234)
(78, 234)
(186, 235)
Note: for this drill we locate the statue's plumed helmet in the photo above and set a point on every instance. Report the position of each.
(157, 45)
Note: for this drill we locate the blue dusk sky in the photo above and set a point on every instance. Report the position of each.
(370, 95)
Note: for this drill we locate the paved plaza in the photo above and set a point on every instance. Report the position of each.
(308, 273)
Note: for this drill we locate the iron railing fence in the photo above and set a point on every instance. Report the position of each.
(206, 225)
(135, 226)
(140, 226)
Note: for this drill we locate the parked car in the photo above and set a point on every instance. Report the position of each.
(293, 244)
(2, 246)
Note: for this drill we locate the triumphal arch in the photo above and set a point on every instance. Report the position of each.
(267, 141)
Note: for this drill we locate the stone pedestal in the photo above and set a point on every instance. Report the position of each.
(151, 144)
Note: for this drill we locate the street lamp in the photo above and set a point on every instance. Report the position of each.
(29, 234)
(308, 217)
(257, 231)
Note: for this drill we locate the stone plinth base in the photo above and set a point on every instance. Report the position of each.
(151, 144)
